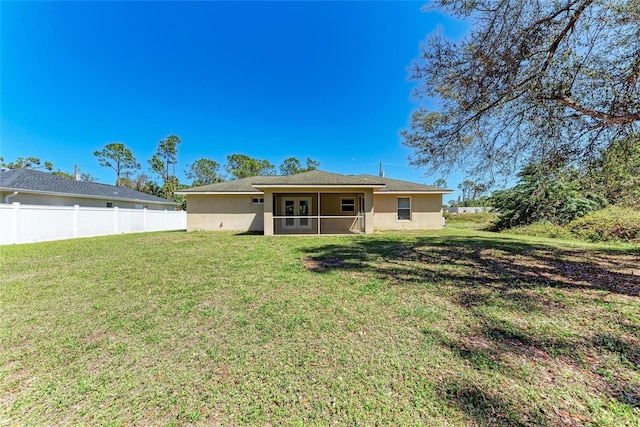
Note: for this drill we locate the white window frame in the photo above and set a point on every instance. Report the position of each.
(398, 209)
(257, 200)
(353, 204)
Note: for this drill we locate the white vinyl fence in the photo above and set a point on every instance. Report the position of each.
(38, 223)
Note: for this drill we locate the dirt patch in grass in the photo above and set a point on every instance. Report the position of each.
(324, 264)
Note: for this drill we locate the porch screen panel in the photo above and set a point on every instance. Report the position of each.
(304, 211)
(289, 211)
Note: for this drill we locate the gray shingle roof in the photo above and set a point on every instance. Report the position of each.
(244, 185)
(310, 179)
(398, 185)
(40, 182)
(316, 177)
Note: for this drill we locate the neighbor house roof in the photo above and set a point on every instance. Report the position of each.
(36, 182)
(313, 179)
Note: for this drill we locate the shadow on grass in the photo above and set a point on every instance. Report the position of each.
(501, 262)
(487, 408)
(481, 272)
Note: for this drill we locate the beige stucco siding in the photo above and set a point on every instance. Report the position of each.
(426, 212)
(232, 212)
(54, 200)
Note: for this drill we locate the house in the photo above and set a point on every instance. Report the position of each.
(314, 202)
(28, 186)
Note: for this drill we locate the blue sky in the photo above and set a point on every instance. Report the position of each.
(326, 80)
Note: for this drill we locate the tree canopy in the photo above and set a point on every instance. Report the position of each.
(532, 80)
(292, 166)
(165, 155)
(243, 166)
(117, 157)
(203, 172)
(26, 163)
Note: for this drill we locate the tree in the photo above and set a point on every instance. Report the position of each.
(117, 157)
(87, 177)
(545, 192)
(440, 182)
(135, 182)
(616, 173)
(532, 80)
(27, 163)
(165, 156)
(203, 172)
(292, 166)
(62, 174)
(243, 166)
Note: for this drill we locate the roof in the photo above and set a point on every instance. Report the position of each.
(244, 185)
(396, 185)
(314, 178)
(33, 181)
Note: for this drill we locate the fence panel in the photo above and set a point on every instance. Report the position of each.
(34, 223)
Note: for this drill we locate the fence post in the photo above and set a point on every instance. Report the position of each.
(16, 222)
(76, 209)
(115, 220)
(166, 220)
(144, 219)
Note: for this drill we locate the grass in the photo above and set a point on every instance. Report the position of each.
(474, 221)
(457, 327)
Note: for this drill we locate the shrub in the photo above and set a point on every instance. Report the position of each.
(611, 223)
(543, 229)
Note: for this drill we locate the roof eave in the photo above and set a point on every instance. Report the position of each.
(87, 196)
(187, 193)
(415, 192)
(298, 186)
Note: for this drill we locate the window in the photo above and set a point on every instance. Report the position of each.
(404, 209)
(347, 204)
(109, 204)
(257, 200)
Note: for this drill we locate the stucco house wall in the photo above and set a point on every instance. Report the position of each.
(426, 212)
(233, 212)
(227, 205)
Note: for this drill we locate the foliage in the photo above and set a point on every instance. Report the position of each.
(165, 155)
(26, 163)
(242, 166)
(471, 191)
(440, 182)
(87, 177)
(454, 327)
(117, 157)
(170, 187)
(615, 174)
(532, 80)
(292, 166)
(203, 172)
(62, 174)
(544, 194)
(136, 182)
(543, 229)
(609, 224)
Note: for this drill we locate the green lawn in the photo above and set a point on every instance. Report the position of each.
(456, 327)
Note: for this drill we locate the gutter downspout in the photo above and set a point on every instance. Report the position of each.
(6, 198)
